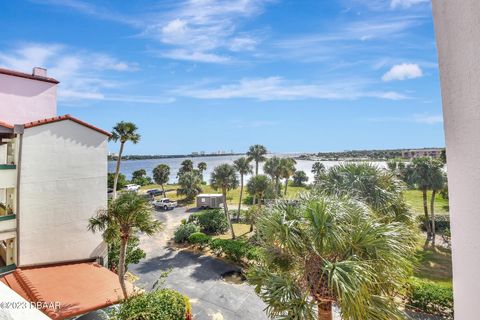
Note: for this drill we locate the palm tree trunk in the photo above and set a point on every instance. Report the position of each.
(117, 171)
(225, 208)
(325, 311)
(163, 189)
(432, 212)
(240, 200)
(256, 168)
(427, 217)
(286, 187)
(121, 266)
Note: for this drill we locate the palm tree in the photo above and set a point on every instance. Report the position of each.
(299, 178)
(190, 184)
(329, 250)
(186, 166)
(161, 174)
(288, 169)
(318, 170)
(437, 183)
(202, 166)
(274, 168)
(123, 131)
(257, 153)
(257, 186)
(378, 188)
(224, 177)
(243, 167)
(126, 216)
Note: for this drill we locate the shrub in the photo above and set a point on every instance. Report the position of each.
(430, 297)
(233, 214)
(442, 222)
(199, 238)
(212, 221)
(164, 304)
(184, 231)
(234, 250)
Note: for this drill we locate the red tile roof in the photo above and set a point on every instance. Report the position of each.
(65, 117)
(77, 287)
(27, 76)
(6, 125)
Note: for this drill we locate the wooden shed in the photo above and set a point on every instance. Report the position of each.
(214, 200)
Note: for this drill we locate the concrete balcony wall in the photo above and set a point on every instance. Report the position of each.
(8, 224)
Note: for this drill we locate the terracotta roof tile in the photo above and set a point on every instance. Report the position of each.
(78, 287)
(65, 117)
(27, 76)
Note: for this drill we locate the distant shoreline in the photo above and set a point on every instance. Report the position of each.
(172, 156)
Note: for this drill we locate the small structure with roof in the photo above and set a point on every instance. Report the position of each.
(209, 200)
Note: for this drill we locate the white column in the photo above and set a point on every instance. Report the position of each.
(457, 28)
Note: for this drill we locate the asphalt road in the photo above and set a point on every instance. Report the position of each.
(197, 276)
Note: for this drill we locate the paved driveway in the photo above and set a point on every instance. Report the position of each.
(197, 276)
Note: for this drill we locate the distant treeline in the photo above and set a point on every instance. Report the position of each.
(171, 156)
(378, 155)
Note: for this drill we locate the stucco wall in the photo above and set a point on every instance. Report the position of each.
(457, 28)
(24, 100)
(63, 183)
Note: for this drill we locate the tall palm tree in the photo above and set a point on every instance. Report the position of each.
(274, 168)
(185, 166)
(243, 167)
(437, 183)
(318, 170)
(224, 178)
(161, 174)
(126, 216)
(123, 132)
(257, 186)
(202, 166)
(329, 250)
(257, 153)
(288, 169)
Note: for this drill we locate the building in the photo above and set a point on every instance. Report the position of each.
(417, 153)
(53, 178)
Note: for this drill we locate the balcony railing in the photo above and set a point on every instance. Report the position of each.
(7, 166)
(8, 268)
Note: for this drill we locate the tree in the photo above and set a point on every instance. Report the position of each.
(257, 186)
(224, 178)
(123, 132)
(190, 184)
(202, 166)
(161, 175)
(185, 166)
(299, 178)
(126, 216)
(438, 181)
(378, 188)
(325, 250)
(140, 177)
(257, 153)
(243, 167)
(274, 168)
(422, 173)
(318, 168)
(287, 170)
(121, 182)
(133, 255)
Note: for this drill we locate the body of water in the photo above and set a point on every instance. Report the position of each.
(129, 166)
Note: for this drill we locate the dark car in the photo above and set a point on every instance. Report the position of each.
(154, 192)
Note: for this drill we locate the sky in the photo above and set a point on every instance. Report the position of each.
(208, 75)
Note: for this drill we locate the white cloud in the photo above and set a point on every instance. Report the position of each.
(416, 118)
(406, 3)
(83, 75)
(277, 88)
(183, 54)
(402, 72)
(428, 119)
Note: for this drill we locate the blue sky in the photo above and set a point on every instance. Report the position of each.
(297, 76)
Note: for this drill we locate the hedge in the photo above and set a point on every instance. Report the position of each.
(235, 250)
(431, 297)
(164, 304)
(199, 238)
(442, 222)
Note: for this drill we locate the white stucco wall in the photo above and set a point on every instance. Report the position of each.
(63, 182)
(457, 28)
(24, 100)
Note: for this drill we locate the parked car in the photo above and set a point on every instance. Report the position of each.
(132, 187)
(154, 192)
(164, 204)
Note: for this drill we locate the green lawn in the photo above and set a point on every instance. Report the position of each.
(415, 200)
(241, 229)
(434, 265)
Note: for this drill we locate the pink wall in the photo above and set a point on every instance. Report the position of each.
(24, 100)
